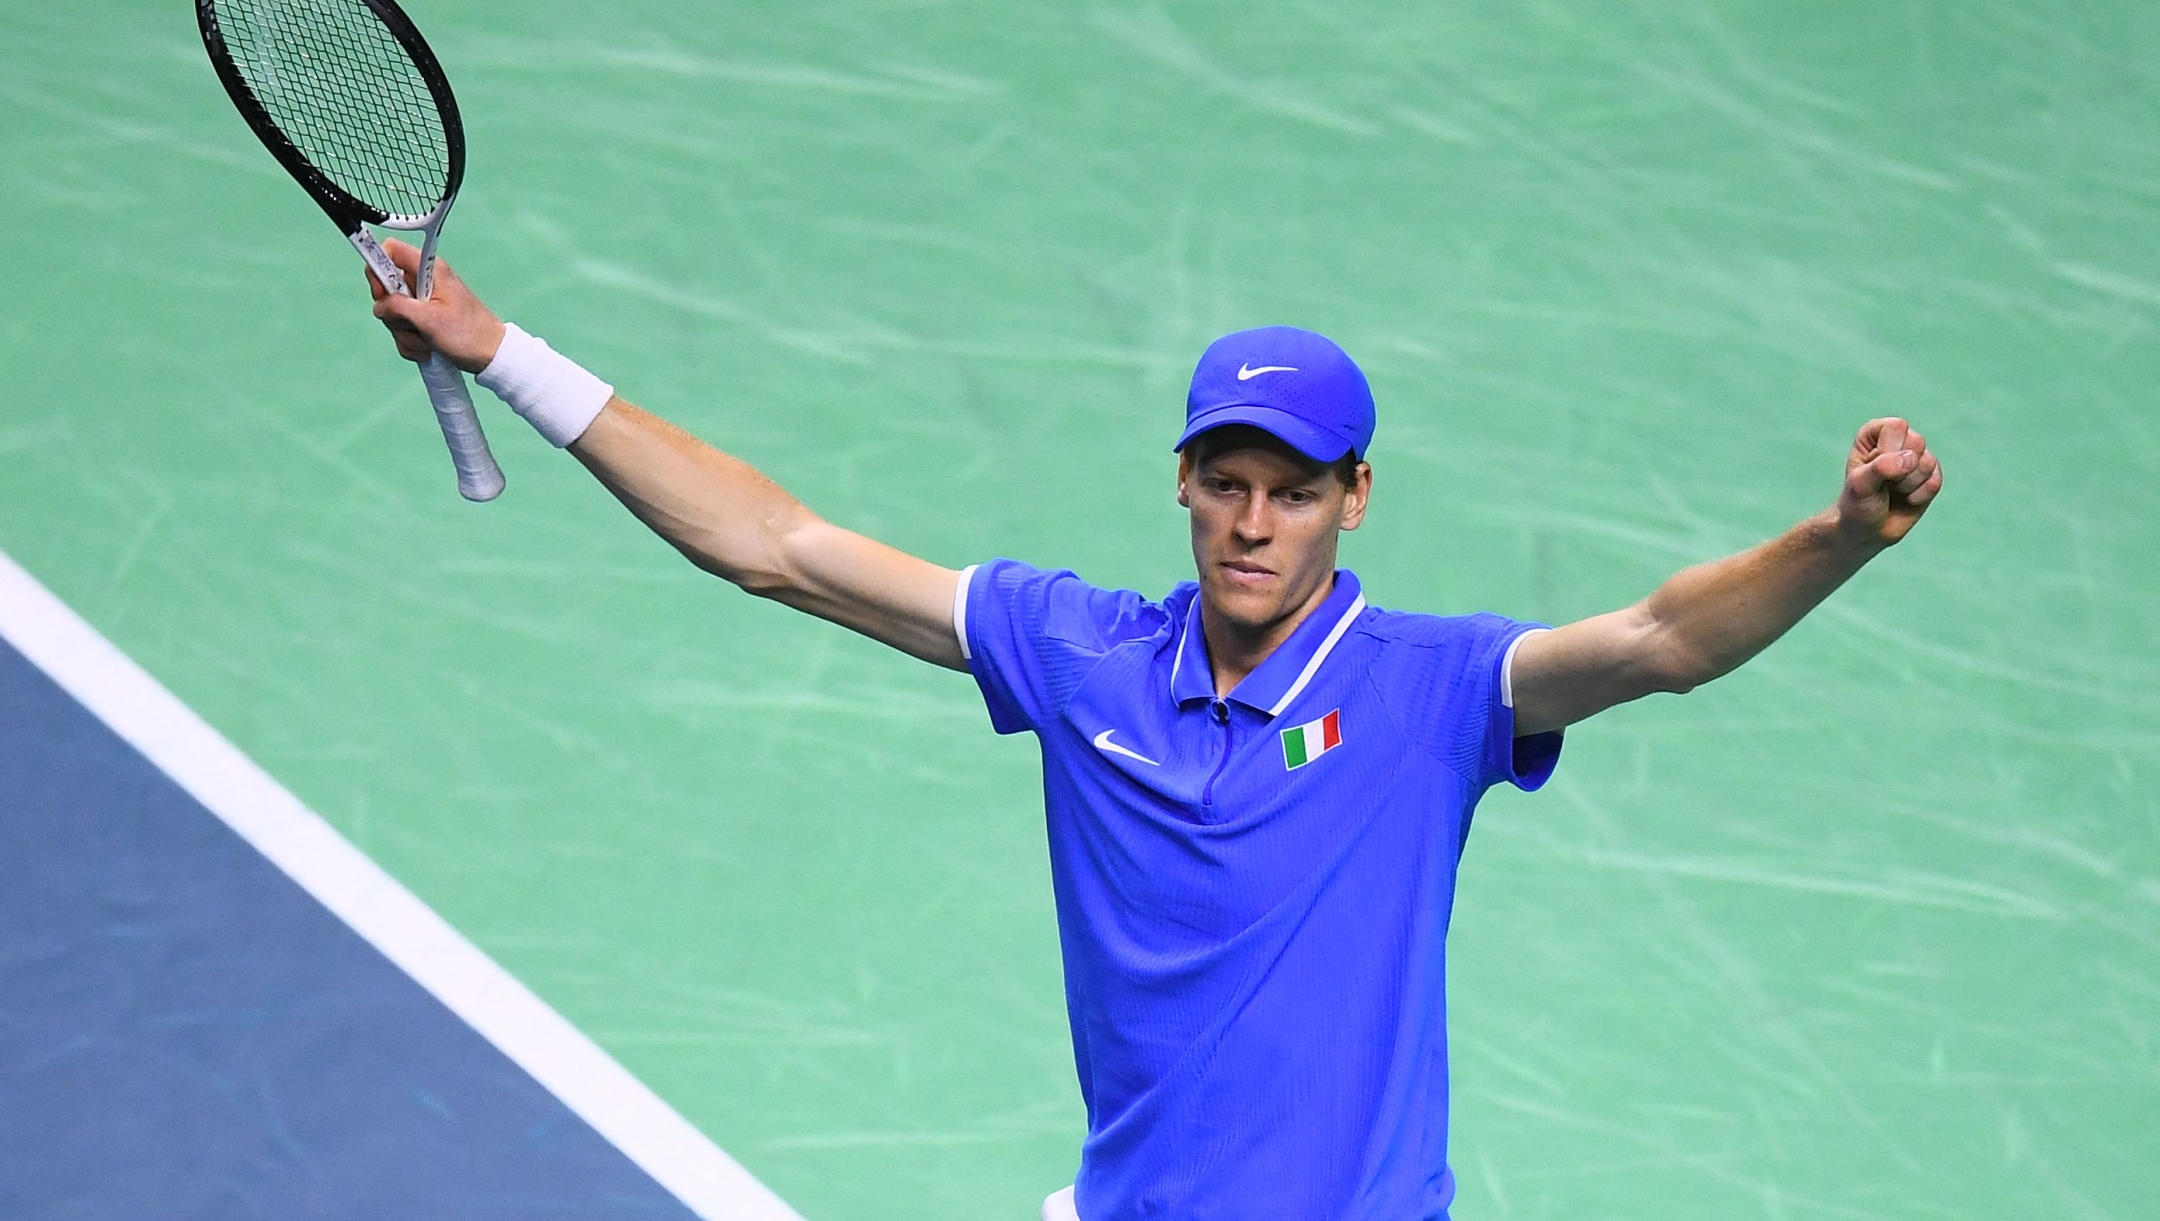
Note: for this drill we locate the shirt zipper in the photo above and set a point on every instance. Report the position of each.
(1221, 713)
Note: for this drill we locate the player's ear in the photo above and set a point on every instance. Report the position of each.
(1356, 497)
(1184, 478)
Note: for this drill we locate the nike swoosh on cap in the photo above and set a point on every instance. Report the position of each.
(1245, 373)
(1103, 742)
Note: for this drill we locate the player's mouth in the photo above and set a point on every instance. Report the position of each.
(1242, 574)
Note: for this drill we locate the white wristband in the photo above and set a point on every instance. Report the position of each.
(553, 392)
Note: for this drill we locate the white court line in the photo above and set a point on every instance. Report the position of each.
(296, 839)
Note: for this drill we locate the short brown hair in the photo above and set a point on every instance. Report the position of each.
(1230, 438)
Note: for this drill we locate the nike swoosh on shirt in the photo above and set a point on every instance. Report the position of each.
(1103, 742)
(1246, 374)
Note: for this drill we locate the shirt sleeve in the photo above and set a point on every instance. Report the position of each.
(1029, 636)
(1525, 762)
(1457, 700)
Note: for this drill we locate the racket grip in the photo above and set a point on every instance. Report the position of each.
(478, 478)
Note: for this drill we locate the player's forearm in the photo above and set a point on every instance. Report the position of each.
(1715, 616)
(730, 520)
(723, 514)
(717, 510)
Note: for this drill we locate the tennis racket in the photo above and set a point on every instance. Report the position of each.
(348, 98)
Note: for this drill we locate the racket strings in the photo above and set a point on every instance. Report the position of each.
(344, 91)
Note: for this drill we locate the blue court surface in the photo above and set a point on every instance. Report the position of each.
(189, 1032)
(185, 1010)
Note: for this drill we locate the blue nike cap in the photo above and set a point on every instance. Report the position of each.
(1293, 383)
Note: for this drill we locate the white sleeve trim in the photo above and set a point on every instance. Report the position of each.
(959, 611)
(1507, 667)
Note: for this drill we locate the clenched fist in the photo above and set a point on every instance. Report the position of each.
(1890, 479)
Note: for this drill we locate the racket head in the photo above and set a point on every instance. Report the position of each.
(349, 98)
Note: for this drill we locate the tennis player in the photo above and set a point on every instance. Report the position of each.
(1257, 786)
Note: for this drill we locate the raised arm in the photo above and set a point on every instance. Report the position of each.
(730, 520)
(1707, 620)
(721, 513)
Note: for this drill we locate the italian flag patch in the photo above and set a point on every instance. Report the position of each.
(1305, 743)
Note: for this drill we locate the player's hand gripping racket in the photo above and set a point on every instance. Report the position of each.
(348, 98)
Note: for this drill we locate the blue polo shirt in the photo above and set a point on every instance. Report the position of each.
(1253, 892)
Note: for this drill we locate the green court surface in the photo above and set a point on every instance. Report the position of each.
(1868, 930)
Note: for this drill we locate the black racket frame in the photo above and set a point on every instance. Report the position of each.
(344, 209)
(479, 477)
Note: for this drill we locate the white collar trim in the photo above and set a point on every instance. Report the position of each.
(1312, 667)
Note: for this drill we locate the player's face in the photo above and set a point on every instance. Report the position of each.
(1263, 531)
